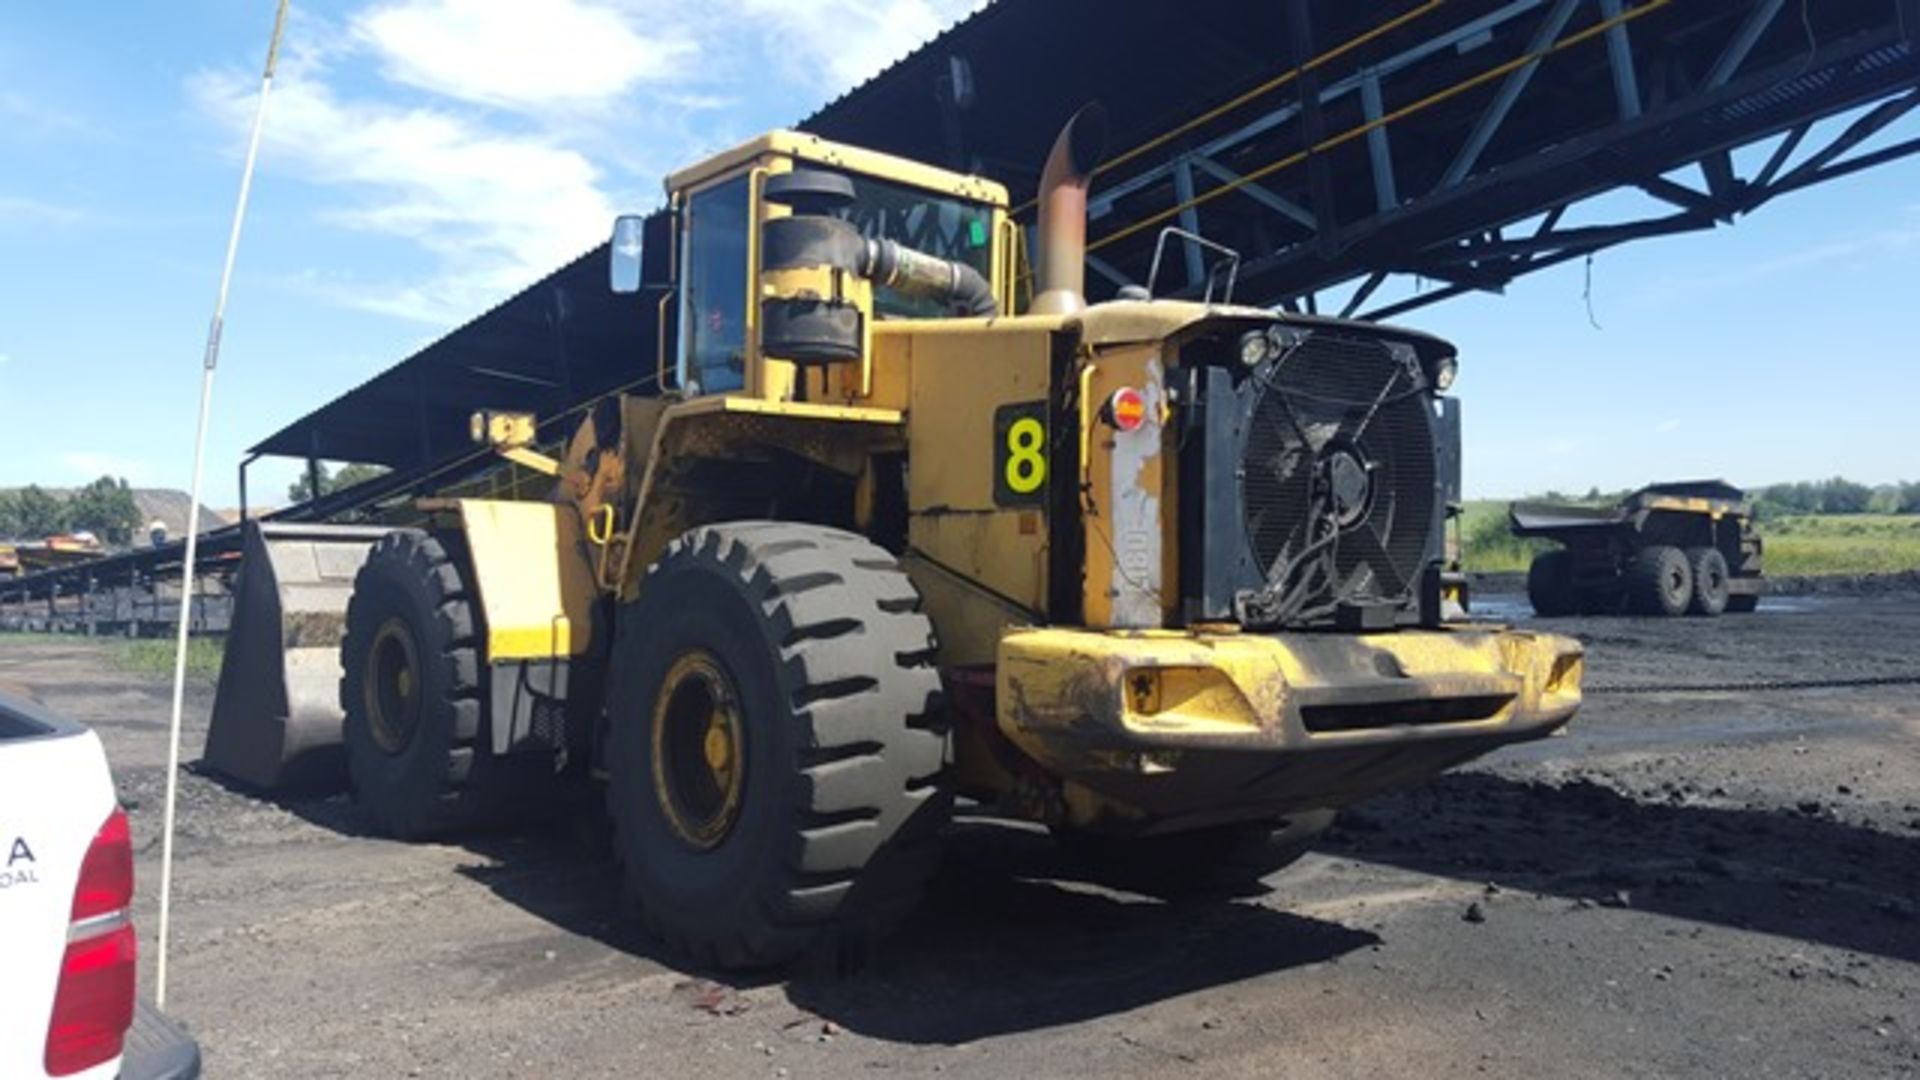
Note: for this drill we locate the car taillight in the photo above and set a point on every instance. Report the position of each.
(106, 875)
(93, 1007)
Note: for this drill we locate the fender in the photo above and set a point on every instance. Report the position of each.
(533, 582)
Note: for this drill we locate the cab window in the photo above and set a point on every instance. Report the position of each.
(713, 297)
(938, 225)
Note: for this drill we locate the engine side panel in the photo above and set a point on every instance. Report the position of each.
(977, 491)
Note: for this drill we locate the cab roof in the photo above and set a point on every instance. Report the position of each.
(813, 148)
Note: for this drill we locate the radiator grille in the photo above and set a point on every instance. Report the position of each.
(1337, 475)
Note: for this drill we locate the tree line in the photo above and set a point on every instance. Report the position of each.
(1835, 495)
(349, 475)
(104, 508)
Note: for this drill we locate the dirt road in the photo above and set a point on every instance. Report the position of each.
(1710, 884)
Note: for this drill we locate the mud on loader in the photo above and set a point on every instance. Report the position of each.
(1163, 576)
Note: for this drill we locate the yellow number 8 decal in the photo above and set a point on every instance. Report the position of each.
(1026, 466)
(1020, 454)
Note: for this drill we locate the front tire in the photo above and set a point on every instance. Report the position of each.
(412, 694)
(776, 744)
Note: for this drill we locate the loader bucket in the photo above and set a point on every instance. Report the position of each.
(276, 713)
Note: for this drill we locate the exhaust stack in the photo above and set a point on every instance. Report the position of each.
(1060, 278)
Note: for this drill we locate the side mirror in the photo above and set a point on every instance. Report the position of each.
(623, 253)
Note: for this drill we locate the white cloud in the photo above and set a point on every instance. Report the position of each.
(92, 465)
(836, 44)
(499, 170)
(26, 210)
(498, 209)
(34, 117)
(519, 53)
(1893, 241)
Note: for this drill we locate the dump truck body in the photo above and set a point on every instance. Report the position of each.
(1148, 569)
(1664, 550)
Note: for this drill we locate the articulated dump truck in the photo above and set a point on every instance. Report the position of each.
(1163, 576)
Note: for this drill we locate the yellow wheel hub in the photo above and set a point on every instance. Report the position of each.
(719, 749)
(393, 711)
(697, 735)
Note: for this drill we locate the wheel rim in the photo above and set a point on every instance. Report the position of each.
(699, 761)
(393, 686)
(1677, 583)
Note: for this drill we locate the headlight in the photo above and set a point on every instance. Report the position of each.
(1443, 374)
(1255, 348)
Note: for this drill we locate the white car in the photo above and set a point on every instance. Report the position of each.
(67, 984)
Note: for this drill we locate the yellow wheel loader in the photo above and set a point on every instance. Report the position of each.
(1164, 576)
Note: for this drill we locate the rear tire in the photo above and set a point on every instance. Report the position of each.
(1550, 584)
(811, 822)
(412, 692)
(1710, 589)
(1218, 860)
(1659, 582)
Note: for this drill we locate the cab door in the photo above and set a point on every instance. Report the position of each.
(715, 328)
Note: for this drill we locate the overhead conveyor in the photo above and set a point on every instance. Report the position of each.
(1345, 150)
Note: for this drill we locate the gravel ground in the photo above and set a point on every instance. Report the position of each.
(1712, 884)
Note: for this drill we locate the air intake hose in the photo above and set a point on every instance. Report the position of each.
(953, 285)
(816, 240)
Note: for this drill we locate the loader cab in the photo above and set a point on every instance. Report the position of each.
(717, 287)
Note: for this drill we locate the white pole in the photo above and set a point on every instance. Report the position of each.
(211, 360)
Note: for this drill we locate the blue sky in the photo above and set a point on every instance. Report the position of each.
(425, 158)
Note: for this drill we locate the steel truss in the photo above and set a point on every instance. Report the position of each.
(1454, 160)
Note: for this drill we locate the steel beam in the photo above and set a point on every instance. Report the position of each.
(1626, 87)
(1109, 271)
(1385, 194)
(1313, 130)
(1509, 93)
(1363, 293)
(1285, 207)
(1452, 40)
(1189, 220)
(1863, 128)
(1781, 153)
(1744, 39)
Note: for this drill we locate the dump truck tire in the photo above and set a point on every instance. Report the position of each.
(776, 745)
(1659, 581)
(1220, 860)
(412, 695)
(1550, 584)
(1710, 591)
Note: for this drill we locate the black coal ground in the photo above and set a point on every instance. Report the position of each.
(1704, 884)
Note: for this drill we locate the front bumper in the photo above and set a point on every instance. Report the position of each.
(1159, 726)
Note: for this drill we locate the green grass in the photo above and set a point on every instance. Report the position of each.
(1810, 544)
(155, 657)
(1487, 546)
(1842, 544)
(143, 657)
